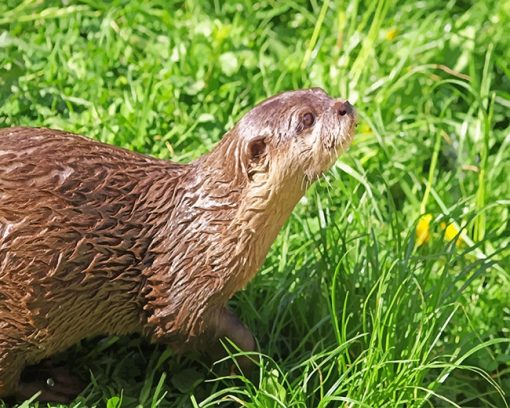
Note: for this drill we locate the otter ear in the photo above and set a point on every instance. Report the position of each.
(255, 154)
(257, 149)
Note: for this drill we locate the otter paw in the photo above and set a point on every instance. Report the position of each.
(55, 384)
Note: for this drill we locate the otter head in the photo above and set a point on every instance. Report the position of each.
(294, 137)
(261, 169)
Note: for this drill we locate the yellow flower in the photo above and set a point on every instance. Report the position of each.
(423, 229)
(221, 32)
(391, 34)
(451, 232)
(365, 128)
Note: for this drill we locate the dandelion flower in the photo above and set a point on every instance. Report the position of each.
(423, 229)
(391, 34)
(451, 233)
(365, 128)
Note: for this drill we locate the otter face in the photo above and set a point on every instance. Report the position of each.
(296, 135)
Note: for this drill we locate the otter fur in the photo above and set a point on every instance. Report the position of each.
(98, 240)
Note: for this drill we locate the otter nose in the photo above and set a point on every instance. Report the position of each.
(343, 107)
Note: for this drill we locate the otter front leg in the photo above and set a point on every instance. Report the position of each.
(229, 326)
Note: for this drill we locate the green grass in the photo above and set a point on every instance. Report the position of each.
(348, 310)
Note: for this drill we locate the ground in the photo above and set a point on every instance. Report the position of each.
(390, 284)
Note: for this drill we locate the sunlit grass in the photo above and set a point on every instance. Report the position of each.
(390, 284)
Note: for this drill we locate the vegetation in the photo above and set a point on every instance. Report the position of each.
(390, 284)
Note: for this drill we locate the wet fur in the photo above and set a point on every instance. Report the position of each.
(95, 239)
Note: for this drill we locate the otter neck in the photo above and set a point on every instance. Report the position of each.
(262, 213)
(256, 210)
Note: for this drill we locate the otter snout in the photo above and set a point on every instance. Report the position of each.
(343, 108)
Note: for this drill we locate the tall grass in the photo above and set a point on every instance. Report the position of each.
(350, 308)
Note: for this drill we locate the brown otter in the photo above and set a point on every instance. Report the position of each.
(95, 239)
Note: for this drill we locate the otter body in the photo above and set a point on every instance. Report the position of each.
(95, 239)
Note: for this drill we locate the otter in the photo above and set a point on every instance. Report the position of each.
(99, 240)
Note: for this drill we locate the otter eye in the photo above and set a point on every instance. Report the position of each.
(308, 119)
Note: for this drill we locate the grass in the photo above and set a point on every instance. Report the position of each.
(350, 308)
